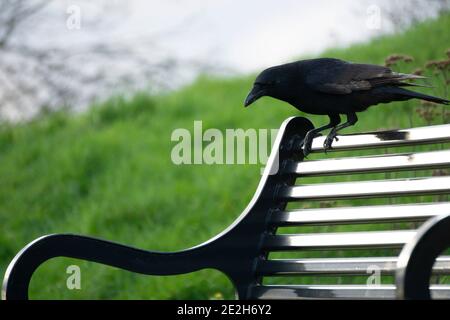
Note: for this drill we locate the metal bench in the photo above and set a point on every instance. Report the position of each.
(247, 250)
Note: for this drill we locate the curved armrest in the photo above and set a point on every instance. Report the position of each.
(415, 263)
(22, 267)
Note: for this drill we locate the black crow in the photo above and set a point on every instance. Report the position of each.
(332, 87)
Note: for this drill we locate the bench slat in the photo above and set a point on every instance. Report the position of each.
(383, 163)
(414, 136)
(368, 189)
(362, 214)
(337, 292)
(338, 266)
(340, 240)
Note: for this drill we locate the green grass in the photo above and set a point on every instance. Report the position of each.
(108, 173)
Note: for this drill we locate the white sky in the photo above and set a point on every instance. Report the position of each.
(245, 35)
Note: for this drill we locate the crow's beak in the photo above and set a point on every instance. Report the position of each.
(256, 93)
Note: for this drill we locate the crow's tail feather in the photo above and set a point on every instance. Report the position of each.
(412, 94)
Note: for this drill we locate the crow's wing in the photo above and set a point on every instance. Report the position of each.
(345, 78)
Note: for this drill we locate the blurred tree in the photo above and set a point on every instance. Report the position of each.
(12, 13)
(38, 75)
(401, 14)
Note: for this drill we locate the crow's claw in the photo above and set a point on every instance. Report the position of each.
(307, 147)
(327, 144)
(306, 150)
(329, 141)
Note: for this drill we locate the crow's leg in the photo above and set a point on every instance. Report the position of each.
(335, 119)
(351, 120)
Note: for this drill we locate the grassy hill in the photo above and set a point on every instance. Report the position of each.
(108, 173)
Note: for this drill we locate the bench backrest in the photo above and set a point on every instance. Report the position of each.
(336, 225)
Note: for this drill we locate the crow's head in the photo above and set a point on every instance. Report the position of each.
(268, 83)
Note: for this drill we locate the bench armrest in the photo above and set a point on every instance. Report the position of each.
(415, 263)
(22, 267)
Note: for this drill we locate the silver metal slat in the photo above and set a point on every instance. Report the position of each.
(337, 292)
(367, 189)
(340, 240)
(414, 136)
(382, 163)
(362, 214)
(339, 266)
